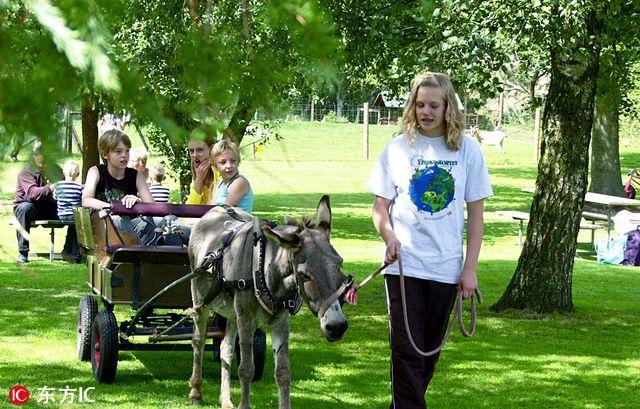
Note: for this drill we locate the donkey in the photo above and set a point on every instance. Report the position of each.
(298, 259)
(489, 138)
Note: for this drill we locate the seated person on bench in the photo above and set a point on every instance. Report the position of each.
(113, 180)
(33, 198)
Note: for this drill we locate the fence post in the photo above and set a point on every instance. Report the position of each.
(500, 110)
(365, 115)
(536, 135)
(312, 109)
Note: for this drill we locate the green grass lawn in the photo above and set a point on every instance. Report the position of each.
(590, 358)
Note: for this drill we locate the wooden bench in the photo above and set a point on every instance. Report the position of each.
(52, 225)
(594, 216)
(524, 216)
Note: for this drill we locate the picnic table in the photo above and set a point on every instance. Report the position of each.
(611, 204)
(522, 217)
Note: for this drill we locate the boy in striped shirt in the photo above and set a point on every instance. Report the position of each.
(159, 191)
(68, 194)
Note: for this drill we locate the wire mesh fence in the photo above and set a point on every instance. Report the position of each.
(307, 112)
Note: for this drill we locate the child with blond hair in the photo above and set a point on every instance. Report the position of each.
(159, 191)
(203, 178)
(68, 194)
(429, 172)
(234, 189)
(114, 181)
(138, 160)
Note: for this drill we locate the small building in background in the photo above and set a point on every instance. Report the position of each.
(389, 107)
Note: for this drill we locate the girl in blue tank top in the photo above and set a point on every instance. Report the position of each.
(234, 189)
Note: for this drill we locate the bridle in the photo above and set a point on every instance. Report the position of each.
(346, 284)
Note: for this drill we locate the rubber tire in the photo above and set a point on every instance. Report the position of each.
(259, 353)
(87, 310)
(105, 329)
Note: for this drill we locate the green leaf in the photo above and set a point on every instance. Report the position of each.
(80, 53)
(67, 40)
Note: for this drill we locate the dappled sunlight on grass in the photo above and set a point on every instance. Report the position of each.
(587, 359)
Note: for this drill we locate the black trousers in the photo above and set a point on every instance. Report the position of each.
(27, 212)
(429, 304)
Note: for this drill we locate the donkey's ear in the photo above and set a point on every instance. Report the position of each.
(323, 217)
(288, 239)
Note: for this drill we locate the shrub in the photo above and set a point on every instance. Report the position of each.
(331, 117)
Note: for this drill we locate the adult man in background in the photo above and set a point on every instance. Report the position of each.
(33, 198)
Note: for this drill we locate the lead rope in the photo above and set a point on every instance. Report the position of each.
(457, 314)
(352, 298)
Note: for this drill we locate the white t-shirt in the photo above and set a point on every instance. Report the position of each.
(429, 185)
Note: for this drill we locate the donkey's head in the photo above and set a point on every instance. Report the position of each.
(475, 133)
(316, 266)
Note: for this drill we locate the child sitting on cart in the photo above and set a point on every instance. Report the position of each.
(234, 189)
(114, 181)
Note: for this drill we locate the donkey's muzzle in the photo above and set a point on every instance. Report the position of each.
(334, 331)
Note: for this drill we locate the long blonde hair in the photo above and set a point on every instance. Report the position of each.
(201, 135)
(454, 123)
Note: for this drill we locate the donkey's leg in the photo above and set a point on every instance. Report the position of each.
(226, 357)
(280, 343)
(201, 315)
(246, 368)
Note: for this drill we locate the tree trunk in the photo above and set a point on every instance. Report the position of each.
(90, 154)
(542, 280)
(533, 83)
(605, 153)
(239, 122)
(175, 147)
(17, 142)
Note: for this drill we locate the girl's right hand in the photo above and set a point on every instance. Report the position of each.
(201, 173)
(201, 170)
(393, 249)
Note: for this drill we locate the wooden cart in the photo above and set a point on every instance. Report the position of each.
(154, 280)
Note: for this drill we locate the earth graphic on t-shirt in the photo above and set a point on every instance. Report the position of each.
(431, 189)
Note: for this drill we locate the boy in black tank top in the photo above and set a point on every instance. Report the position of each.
(114, 181)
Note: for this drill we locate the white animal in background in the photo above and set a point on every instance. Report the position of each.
(488, 138)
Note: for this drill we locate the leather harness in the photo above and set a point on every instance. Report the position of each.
(212, 264)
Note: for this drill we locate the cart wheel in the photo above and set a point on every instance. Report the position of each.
(104, 351)
(259, 353)
(87, 310)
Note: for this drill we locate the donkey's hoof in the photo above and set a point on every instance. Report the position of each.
(196, 400)
(228, 406)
